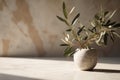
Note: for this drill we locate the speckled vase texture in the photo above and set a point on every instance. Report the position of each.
(85, 59)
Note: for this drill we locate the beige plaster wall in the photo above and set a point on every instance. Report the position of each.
(30, 27)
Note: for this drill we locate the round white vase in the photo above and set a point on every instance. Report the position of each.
(85, 59)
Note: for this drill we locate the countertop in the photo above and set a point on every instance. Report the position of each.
(12, 68)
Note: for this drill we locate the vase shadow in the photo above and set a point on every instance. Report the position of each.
(106, 70)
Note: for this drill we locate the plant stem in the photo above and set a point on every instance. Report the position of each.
(74, 33)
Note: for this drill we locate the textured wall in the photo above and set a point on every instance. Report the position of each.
(30, 27)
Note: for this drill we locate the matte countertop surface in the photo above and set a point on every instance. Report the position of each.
(56, 69)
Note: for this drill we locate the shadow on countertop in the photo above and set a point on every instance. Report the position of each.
(14, 77)
(106, 70)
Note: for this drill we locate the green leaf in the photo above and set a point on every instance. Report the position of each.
(75, 18)
(63, 20)
(91, 30)
(71, 53)
(94, 29)
(93, 24)
(85, 37)
(68, 51)
(69, 30)
(64, 10)
(80, 30)
(105, 38)
(116, 25)
(99, 41)
(109, 23)
(71, 10)
(112, 23)
(96, 17)
(64, 45)
(115, 33)
(112, 37)
(112, 14)
(106, 12)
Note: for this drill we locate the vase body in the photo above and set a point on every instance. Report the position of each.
(85, 59)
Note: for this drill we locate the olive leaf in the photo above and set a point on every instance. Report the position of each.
(70, 54)
(75, 19)
(68, 30)
(99, 30)
(85, 37)
(91, 30)
(64, 45)
(93, 24)
(96, 17)
(63, 20)
(71, 10)
(68, 51)
(80, 30)
(100, 38)
(110, 23)
(116, 25)
(105, 38)
(112, 14)
(64, 10)
(106, 12)
(115, 33)
(112, 36)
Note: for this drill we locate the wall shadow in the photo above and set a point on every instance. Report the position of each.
(14, 77)
(44, 58)
(109, 60)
